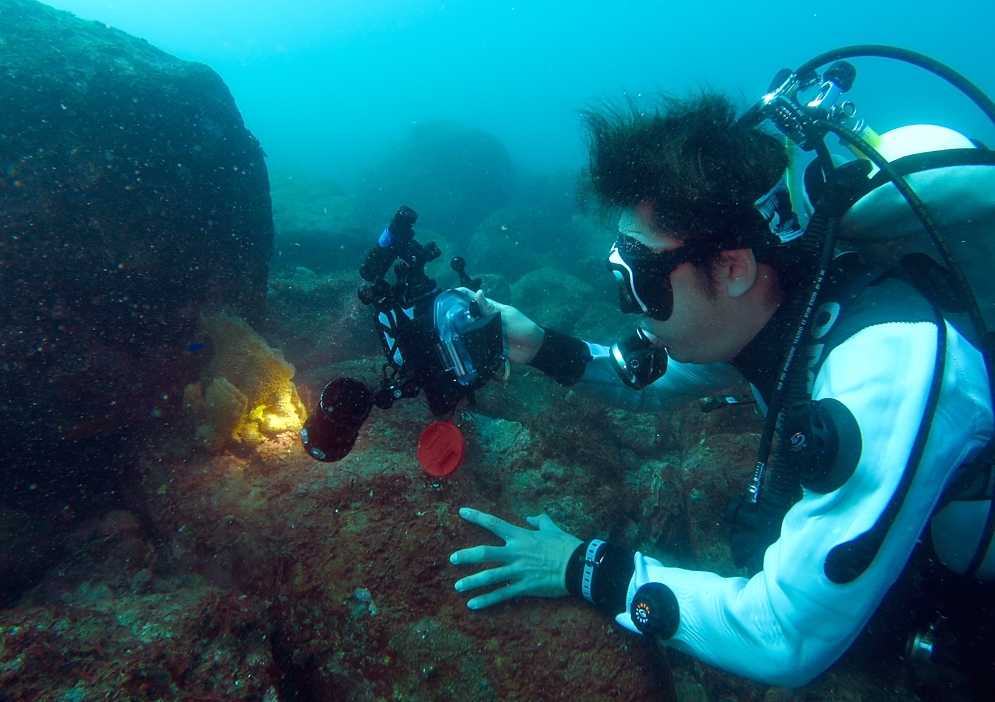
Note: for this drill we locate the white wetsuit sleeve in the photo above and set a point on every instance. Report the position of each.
(681, 382)
(788, 623)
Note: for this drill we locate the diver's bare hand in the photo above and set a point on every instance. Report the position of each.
(535, 562)
(522, 336)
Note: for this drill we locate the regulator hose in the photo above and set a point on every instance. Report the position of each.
(819, 239)
(984, 103)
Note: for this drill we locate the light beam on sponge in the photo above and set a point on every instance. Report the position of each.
(249, 395)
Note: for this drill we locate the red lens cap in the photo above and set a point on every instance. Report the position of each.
(441, 449)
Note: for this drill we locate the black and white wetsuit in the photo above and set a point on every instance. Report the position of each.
(789, 622)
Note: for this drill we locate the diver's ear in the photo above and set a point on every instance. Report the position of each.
(736, 271)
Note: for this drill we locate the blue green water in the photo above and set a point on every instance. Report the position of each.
(327, 85)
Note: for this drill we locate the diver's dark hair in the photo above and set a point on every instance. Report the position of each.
(701, 170)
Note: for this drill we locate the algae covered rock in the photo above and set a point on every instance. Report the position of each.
(452, 175)
(317, 319)
(540, 227)
(552, 298)
(315, 224)
(189, 643)
(249, 393)
(444, 664)
(322, 542)
(26, 549)
(567, 304)
(132, 197)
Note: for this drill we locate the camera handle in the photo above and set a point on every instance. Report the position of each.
(458, 264)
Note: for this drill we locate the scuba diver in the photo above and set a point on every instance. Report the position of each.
(874, 378)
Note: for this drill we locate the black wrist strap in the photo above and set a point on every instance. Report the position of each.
(561, 357)
(600, 571)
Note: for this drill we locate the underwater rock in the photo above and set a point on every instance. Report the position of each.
(26, 549)
(315, 225)
(541, 227)
(495, 286)
(318, 320)
(552, 298)
(249, 394)
(446, 665)
(453, 176)
(555, 299)
(117, 619)
(497, 435)
(132, 198)
(191, 643)
(562, 302)
(323, 542)
(504, 244)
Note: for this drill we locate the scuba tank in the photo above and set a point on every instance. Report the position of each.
(955, 181)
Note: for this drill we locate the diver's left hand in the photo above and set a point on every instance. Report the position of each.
(535, 562)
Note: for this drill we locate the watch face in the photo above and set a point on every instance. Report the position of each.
(641, 610)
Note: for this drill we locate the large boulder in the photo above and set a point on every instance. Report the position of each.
(132, 199)
(315, 224)
(453, 176)
(543, 226)
(318, 321)
(567, 304)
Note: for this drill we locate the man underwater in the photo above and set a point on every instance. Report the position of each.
(708, 253)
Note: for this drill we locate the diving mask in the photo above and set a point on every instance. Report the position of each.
(643, 277)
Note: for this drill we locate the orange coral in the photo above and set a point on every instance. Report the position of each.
(249, 394)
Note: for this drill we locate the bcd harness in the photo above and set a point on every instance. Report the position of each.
(816, 447)
(819, 441)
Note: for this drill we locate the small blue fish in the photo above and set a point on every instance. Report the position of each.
(194, 348)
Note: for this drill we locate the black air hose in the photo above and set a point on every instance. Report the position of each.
(817, 243)
(977, 96)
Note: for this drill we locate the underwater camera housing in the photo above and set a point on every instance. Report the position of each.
(435, 341)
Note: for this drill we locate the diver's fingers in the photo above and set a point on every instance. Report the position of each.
(545, 524)
(490, 522)
(499, 595)
(484, 578)
(486, 306)
(479, 554)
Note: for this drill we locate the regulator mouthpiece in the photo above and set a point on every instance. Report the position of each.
(637, 363)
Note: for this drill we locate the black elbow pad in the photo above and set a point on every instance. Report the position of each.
(822, 444)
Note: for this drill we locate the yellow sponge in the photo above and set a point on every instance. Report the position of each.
(249, 395)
